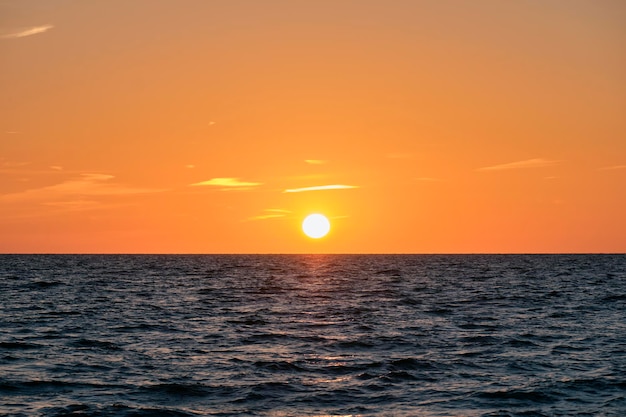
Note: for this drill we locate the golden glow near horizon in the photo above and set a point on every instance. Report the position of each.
(416, 126)
(315, 226)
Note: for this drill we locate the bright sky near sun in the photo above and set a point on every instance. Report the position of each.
(442, 126)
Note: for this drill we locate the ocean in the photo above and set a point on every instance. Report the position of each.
(313, 335)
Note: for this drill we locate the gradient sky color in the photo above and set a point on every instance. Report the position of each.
(216, 126)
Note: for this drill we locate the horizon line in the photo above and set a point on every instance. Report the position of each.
(301, 253)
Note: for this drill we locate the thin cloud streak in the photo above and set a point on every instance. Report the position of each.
(270, 214)
(613, 168)
(12, 164)
(428, 179)
(28, 32)
(99, 184)
(321, 188)
(226, 182)
(399, 155)
(75, 205)
(84, 185)
(266, 217)
(316, 161)
(273, 210)
(529, 163)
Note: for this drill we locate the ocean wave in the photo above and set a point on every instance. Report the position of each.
(115, 410)
(94, 344)
(19, 345)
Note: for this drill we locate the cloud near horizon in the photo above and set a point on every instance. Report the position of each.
(28, 32)
(528, 163)
(226, 183)
(316, 161)
(321, 188)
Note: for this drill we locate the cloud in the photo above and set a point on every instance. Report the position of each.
(12, 164)
(613, 168)
(20, 168)
(321, 188)
(316, 161)
(428, 179)
(270, 214)
(529, 163)
(28, 169)
(83, 185)
(226, 183)
(266, 216)
(190, 166)
(399, 155)
(28, 32)
(75, 205)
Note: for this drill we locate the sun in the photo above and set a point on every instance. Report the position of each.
(316, 226)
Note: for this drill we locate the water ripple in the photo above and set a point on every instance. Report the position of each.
(313, 335)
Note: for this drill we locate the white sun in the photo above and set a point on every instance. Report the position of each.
(316, 226)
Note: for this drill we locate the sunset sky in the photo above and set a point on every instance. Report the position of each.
(216, 126)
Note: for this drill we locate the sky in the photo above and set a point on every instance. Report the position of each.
(216, 126)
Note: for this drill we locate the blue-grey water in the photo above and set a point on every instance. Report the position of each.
(313, 335)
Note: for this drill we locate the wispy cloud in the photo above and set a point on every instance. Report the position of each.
(428, 179)
(399, 155)
(12, 164)
(28, 32)
(270, 214)
(226, 183)
(20, 168)
(316, 161)
(275, 210)
(83, 185)
(265, 217)
(28, 169)
(75, 205)
(529, 163)
(613, 168)
(321, 188)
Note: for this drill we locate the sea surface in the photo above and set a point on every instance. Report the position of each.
(313, 335)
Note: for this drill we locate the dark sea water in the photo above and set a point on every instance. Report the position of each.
(318, 335)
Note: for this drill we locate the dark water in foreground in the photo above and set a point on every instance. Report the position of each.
(297, 335)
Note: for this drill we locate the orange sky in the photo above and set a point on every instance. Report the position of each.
(152, 126)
